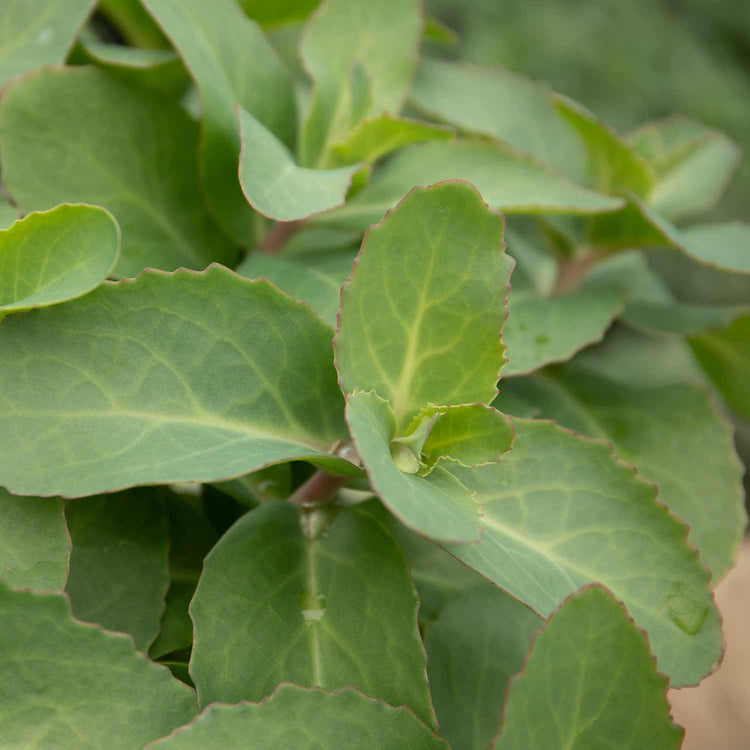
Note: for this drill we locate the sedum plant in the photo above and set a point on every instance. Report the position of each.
(350, 396)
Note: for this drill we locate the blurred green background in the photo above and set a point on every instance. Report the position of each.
(626, 60)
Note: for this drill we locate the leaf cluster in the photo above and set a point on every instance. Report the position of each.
(351, 397)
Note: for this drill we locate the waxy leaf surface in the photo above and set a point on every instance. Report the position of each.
(165, 378)
(496, 102)
(274, 185)
(34, 543)
(422, 314)
(305, 720)
(37, 32)
(232, 64)
(119, 563)
(540, 330)
(507, 180)
(307, 596)
(315, 279)
(591, 673)
(361, 55)
(128, 149)
(56, 255)
(674, 434)
(67, 684)
(560, 512)
(437, 505)
(133, 23)
(476, 645)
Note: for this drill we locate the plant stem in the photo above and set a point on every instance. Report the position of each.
(571, 271)
(318, 489)
(275, 239)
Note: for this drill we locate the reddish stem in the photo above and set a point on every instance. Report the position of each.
(318, 489)
(277, 237)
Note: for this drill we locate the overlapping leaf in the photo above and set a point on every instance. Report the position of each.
(674, 434)
(591, 670)
(543, 329)
(118, 566)
(34, 543)
(477, 644)
(278, 188)
(613, 164)
(361, 55)
(169, 377)
(306, 719)
(559, 512)
(315, 279)
(437, 505)
(108, 143)
(66, 684)
(725, 355)
(377, 136)
(421, 317)
(37, 32)
(290, 595)
(506, 180)
(496, 102)
(693, 164)
(56, 255)
(232, 64)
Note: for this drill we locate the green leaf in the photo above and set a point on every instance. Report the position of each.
(560, 512)
(166, 378)
(274, 185)
(540, 330)
(350, 45)
(133, 23)
(175, 625)
(496, 102)
(233, 64)
(478, 643)
(8, 213)
(56, 255)
(422, 314)
(319, 597)
(159, 68)
(674, 434)
(633, 357)
(726, 246)
(507, 180)
(438, 576)
(35, 548)
(694, 164)
(191, 537)
(315, 279)
(67, 684)
(725, 355)
(377, 136)
(650, 304)
(105, 142)
(591, 670)
(37, 32)
(437, 505)
(613, 164)
(118, 565)
(307, 720)
(272, 12)
(470, 434)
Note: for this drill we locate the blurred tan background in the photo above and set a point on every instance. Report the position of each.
(716, 714)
